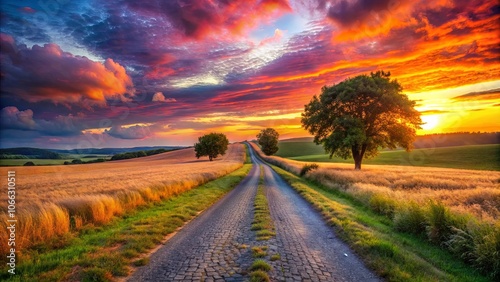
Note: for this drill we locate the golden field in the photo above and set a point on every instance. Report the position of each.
(52, 200)
(473, 191)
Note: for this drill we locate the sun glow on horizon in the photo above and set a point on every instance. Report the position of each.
(430, 122)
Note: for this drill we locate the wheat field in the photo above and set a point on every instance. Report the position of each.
(472, 191)
(53, 200)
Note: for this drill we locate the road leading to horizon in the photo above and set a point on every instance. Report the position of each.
(216, 246)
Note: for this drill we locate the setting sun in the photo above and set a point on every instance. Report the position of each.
(430, 122)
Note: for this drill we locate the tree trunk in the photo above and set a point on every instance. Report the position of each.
(357, 163)
(358, 156)
(210, 158)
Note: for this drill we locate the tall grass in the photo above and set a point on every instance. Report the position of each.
(456, 209)
(148, 180)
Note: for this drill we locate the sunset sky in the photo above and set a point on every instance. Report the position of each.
(124, 73)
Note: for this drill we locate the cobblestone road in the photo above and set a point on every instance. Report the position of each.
(210, 248)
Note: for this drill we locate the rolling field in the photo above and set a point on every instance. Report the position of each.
(457, 209)
(482, 157)
(52, 200)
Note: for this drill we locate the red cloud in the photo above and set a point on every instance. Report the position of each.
(48, 73)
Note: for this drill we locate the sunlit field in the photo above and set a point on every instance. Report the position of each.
(473, 191)
(52, 200)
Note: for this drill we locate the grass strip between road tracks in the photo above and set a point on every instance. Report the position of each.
(393, 255)
(263, 226)
(106, 252)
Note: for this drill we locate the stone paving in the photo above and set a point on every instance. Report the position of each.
(209, 248)
(216, 246)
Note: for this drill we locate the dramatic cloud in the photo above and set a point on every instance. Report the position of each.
(159, 97)
(201, 18)
(115, 69)
(13, 118)
(131, 132)
(48, 73)
(361, 19)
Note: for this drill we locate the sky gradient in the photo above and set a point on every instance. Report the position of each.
(125, 73)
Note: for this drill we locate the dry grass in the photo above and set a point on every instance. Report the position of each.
(52, 200)
(471, 191)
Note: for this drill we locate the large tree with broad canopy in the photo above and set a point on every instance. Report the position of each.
(360, 115)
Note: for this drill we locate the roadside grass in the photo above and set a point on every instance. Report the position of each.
(465, 157)
(395, 256)
(105, 252)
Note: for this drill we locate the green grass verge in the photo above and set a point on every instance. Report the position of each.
(395, 256)
(101, 253)
(262, 223)
(465, 157)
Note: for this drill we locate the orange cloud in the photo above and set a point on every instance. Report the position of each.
(48, 73)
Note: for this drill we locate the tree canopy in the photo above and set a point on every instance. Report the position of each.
(268, 140)
(211, 145)
(360, 115)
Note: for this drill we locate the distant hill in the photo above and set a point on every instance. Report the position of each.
(56, 154)
(439, 140)
(28, 153)
(112, 151)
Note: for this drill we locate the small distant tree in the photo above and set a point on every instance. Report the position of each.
(211, 145)
(268, 140)
(360, 115)
(29, 164)
(76, 161)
